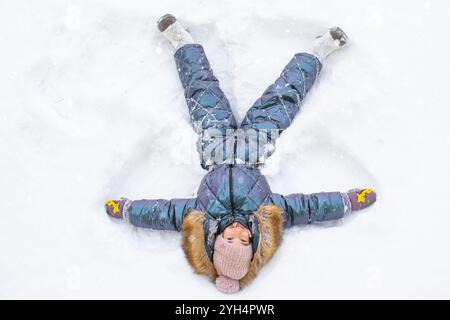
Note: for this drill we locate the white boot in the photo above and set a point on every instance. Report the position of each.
(174, 31)
(327, 43)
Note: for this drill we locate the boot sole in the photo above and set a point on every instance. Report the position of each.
(166, 21)
(339, 34)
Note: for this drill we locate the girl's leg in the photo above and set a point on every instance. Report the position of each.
(277, 107)
(275, 110)
(209, 109)
(279, 104)
(208, 106)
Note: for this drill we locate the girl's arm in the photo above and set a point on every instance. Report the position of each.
(308, 208)
(157, 214)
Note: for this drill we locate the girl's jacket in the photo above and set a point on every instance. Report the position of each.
(228, 193)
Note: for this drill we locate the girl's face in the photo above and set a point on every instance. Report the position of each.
(238, 234)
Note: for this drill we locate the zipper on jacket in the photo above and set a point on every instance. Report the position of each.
(230, 172)
(230, 168)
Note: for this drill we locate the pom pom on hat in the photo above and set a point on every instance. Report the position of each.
(227, 285)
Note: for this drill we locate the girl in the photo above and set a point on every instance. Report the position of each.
(235, 224)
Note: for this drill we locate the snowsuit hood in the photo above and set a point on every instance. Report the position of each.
(270, 222)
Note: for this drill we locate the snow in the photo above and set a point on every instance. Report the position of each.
(92, 109)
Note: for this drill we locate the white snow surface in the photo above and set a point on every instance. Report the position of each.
(91, 108)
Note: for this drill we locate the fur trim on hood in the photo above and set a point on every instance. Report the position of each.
(270, 221)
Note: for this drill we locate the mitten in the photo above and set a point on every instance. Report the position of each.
(114, 208)
(361, 198)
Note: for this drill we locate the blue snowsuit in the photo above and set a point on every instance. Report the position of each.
(233, 189)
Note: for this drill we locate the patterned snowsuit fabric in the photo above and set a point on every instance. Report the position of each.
(233, 191)
(208, 106)
(220, 141)
(280, 102)
(159, 214)
(209, 109)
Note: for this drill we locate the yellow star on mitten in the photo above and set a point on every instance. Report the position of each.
(362, 195)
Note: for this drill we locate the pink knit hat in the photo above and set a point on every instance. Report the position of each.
(232, 262)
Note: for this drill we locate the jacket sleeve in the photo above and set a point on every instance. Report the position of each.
(158, 214)
(307, 208)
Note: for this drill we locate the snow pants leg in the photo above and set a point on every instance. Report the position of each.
(209, 109)
(208, 106)
(275, 110)
(279, 104)
(220, 140)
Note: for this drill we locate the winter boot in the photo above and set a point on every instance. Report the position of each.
(172, 29)
(327, 43)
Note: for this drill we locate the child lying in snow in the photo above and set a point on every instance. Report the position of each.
(235, 224)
